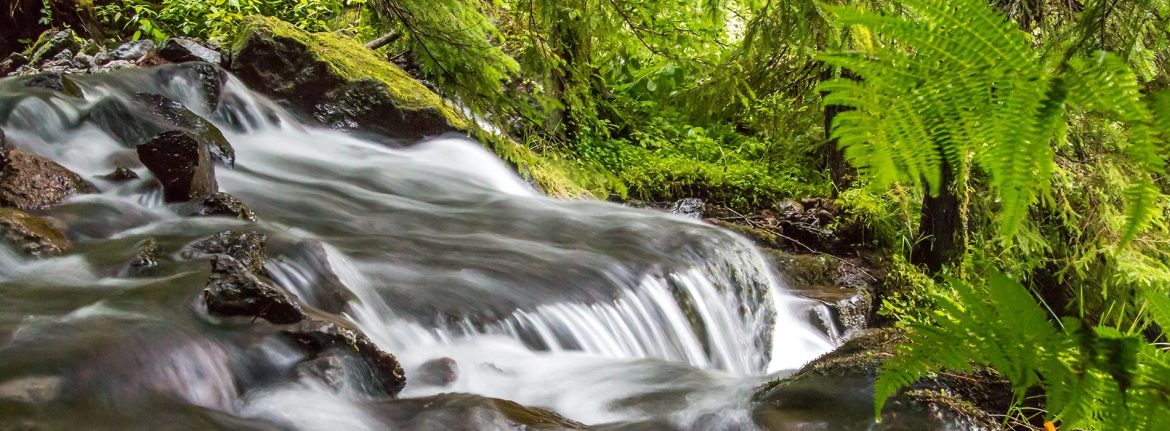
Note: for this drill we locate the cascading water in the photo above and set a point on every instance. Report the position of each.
(437, 252)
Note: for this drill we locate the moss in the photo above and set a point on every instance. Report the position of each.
(350, 60)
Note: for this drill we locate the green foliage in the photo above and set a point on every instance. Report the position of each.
(218, 19)
(965, 88)
(1095, 377)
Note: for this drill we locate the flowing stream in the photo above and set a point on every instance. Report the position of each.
(608, 315)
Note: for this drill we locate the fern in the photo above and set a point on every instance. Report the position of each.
(1093, 377)
(958, 81)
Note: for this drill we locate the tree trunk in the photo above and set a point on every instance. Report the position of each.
(569, 80)
(940, 229)
(840, 172)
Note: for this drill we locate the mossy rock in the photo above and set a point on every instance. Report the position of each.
(338, 80)
(31, 234)
(342, 84)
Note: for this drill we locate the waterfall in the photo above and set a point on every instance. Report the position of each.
(436, 251)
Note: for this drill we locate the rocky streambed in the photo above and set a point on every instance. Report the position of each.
(290, 232)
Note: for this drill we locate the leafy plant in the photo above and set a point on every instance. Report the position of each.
(1094, 377)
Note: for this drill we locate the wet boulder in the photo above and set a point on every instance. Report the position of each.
(182, 164)
(51, 44)
(690, 208)
(144, 116)
(147, 258)
(318, 336)
(31, 182)
(247, 248)
(208, 80)
(218, 204)
(437, 372)
(55, 82)
(132, 51)
(31, 234)
(184, 49)
(835, 391)
(120, 174)
(846, 285)
(338, 81)
(234, 291)
(467, 412)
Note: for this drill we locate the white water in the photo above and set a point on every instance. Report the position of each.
(581, 307)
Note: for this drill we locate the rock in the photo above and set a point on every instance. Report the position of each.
(11, 63)
(83, 61)
(316, 336)
(247, 248)
(31, 390)
(183, 49)
(51, 45)
(234, 291)
(33, 235)
(182, 164)
(846, 286)
(147, 258)
(146, 115)
(835, 391)
(101, 58)
(114, 65)
(4, 149)
(338, 81)
(31, 182)
(132, 51)
(62, 59)
(328, 368)
(55, 82)
(437, 372)
(217, 205)
(121, 174)
(690, 208)
(467, 412)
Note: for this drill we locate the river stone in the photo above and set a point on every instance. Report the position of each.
(31, 182)
(691, 208)
(120, 174)
(55, 82)
(184, 49)
(132, 51)
(437, 372)
(31, 234)
(11, 63)
(219, 204)
(208, 79)
(51, 45)
(338, 81)
(145, 115)
(247, 248)
(465, 412)
(182, 164)
(316, 336)
(147, 258)
(835, 391)
(234, 291)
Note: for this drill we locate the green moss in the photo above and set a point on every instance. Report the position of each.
(31, 234)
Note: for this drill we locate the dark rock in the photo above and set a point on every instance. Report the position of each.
(121, 174)
(33, 235)
(846, 286)
(63, 58)
(369, 105)
(145, 115)
(31, 182)
(147, 258)
(437, 372)
(234, 291)
(316, 336)
(338, 81)
(52, 45)
(689, 208)
(217, 205)
(55, 82)
(835, 391)
(132, 51)
(308, 261)
(11, 63)
(83, 61)
(182, 164)
(247, 248)
(467, 412)
(183, 49)
(101, 58)
(328, 368)
(113, 65)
